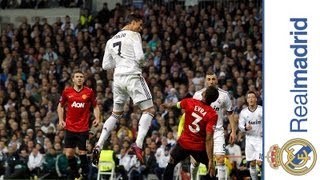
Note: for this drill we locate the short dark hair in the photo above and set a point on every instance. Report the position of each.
(77, 71)
(251, 92)
(133, 17)
(211, 94)
(210, 73)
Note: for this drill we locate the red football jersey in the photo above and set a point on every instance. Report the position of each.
(199, 119)
(77, 106)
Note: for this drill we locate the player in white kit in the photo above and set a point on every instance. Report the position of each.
(250, 122)
(124, 53)
(222, 103)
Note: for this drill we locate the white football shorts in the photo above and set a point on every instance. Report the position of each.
(253, 149)
(219, 142)
(133, 86)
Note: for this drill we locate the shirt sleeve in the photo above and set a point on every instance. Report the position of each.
(183, 104)
(242, 121)
(63, 98)
(197, 95)
(137, 47)
(108, 61)
(228, 103)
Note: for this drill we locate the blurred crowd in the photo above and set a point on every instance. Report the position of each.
(180, 43)
(38, 4)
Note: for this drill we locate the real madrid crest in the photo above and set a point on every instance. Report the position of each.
(297, 156)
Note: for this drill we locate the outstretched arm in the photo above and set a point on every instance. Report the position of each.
(138, 51)
(242, 123)
(96, 112)
(209, 150)
(233, 125)
(60, 111)
(171, 105)
(108, 62)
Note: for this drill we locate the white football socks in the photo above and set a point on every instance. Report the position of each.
(144, 125)
(108, 126)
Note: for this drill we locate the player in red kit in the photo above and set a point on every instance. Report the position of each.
(74, 115)
(197, 137)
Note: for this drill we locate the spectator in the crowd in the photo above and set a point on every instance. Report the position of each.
(2, 162)
(171, 139)
(61, 166)
(49, 164)
(40, 136)
(126, 161)
(3, 147)
(155, 137)
(103, 15)
(123, 131)
(86, 19)
(47, 144)
(162, 156)
(67, 24)
(241, 172)
(12, 160)
(47, 124)
(35, 163)
(172, 96)
(20, 169)
(50, 55)
(234, 152)
(15, 140)
(150, 163)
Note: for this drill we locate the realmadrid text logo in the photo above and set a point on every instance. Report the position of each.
(297, 156)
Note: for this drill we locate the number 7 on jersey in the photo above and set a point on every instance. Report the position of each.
(119, 48)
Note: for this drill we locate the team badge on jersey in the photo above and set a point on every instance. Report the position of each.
(297, 156)
(84, 96)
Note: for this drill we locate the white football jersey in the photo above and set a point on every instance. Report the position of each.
(124, 53)
(251, 117)
(223, 102)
